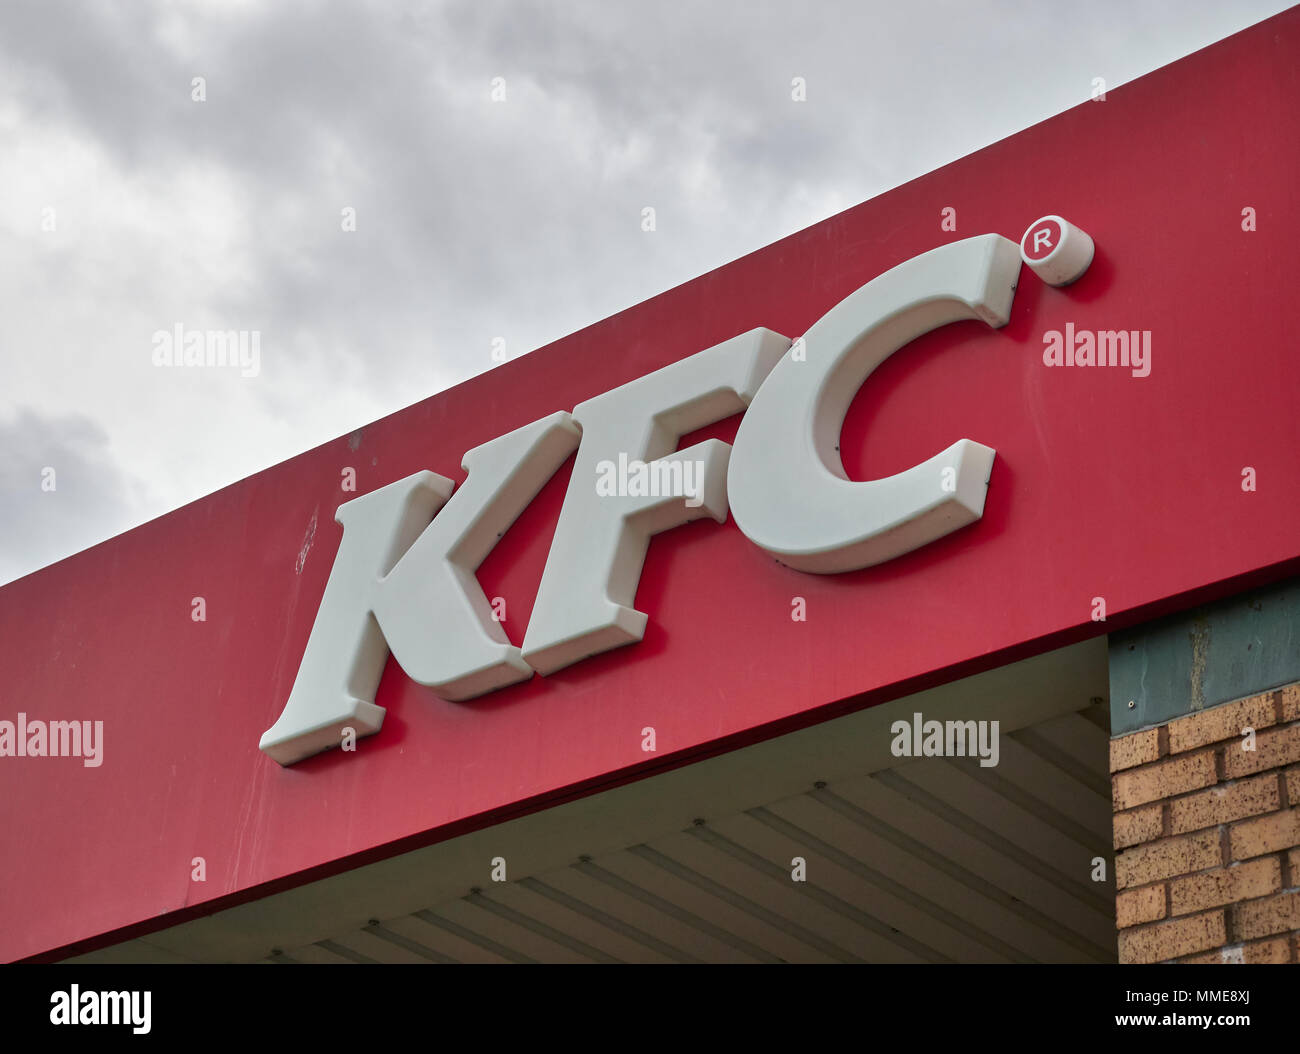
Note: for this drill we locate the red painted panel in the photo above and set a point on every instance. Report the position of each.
(1105, 485)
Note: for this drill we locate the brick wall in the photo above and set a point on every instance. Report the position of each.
(1207, 835)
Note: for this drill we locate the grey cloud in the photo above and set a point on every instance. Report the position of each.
(90, 500)
(519, 220)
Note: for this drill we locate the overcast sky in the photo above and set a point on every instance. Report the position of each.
(128, 207)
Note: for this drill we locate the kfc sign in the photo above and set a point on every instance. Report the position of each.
(404, 577)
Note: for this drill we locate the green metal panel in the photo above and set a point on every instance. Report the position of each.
(1203, 657)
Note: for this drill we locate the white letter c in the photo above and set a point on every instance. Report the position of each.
(786, 484)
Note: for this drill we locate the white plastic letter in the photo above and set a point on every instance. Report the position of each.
(402, 583)
(788, 489)
(345, 655)
(584, 602)
(435, 616)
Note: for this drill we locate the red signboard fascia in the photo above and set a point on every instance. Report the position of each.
(1105, 485)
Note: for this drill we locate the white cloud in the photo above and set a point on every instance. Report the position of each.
(475, 219)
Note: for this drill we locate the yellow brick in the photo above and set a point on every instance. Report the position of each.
(1227, 885)
(1293, 785)
(1137, 748)
(1138, 825)
(1260, 918)
(1267, 834)
(1289, 702)
(1273, 749)
(1163, 779)
(1167, 858)
(1171, 940)
(1274, 950)
(1223, 804)
(1221, 722)
(1140, 905)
